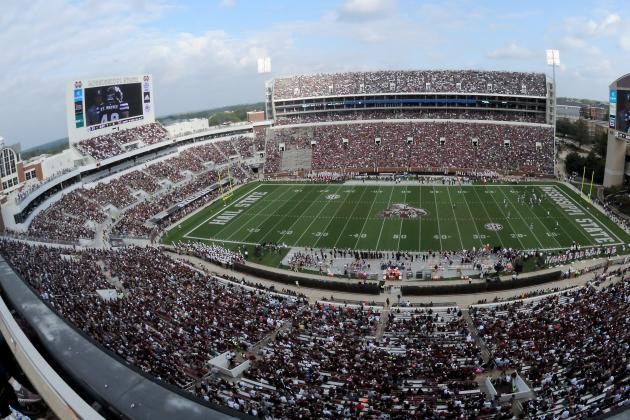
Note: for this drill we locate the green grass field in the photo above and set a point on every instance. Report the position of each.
(351, 216)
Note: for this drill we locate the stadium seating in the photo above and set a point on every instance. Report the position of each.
(415, 146)
(110, 145)
(471, 81)
(572, 347)
(419, 114)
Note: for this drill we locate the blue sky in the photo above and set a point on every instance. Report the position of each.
(203, 54)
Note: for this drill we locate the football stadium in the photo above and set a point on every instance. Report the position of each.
(385, 244)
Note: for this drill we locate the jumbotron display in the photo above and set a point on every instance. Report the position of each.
(102, 106)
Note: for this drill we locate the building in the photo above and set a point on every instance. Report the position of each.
(598, 113)
(255, 116)
(571, 112)
(617, 168)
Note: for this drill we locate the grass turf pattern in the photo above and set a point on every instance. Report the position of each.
(351, 216)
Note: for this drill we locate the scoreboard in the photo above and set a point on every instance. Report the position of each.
(102, 106)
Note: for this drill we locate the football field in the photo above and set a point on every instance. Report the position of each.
(402, 217)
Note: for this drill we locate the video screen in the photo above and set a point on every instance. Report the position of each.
(623, 111)
(109, 105)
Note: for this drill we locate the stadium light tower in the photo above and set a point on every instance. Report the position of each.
(553, 60)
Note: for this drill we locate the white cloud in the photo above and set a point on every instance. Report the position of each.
(360, 10)
(510, 51)
(587, 27)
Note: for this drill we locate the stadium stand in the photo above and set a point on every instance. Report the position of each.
(572, 347)
(472, 81)
(110, 145)
(426, 146)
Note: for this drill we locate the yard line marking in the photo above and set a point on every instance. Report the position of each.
(254, 216)
(365, 222)
(281, 220)
(521, 216)
(316, 217)
(222, 210)
(488, 216)
(448, 190)
(603, 225)
(474, 222)
(420, 220)
(401, 223)
(437, 215)
(508, 220)
(333, 218)
(349, 218)
(378, 241)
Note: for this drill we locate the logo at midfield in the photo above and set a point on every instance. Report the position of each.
(404, 212)
(332, 196)
(495, 227)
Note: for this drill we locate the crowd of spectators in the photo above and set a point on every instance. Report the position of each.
(67, 219)
(429, 146)
(168, 319)
(114, 192)
(166, 169)
(393, 114)
(412, 81)
(331, 365)
(139, 181)
(572, 348)
(110, 145)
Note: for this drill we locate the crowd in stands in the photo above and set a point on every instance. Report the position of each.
(430, 146)
(165, 170)
(412, 81)
(139, 181)
(67, 219)
(114, 192)
(110, 145)
(352, 115)
(168, 319)
(572, 348)
(331, 365)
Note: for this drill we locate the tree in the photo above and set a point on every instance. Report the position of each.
(581, 132)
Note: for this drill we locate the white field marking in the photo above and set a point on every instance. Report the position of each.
(335, 215)
(590, 214)
(219, 240)
(522, 218)
(474, 222)
(281, 220)
(365, 222)
(315, 218)
(448, 190)
(488, 216)
(420, 220)
(564, 216)
(253, 216)
(383, 223)
(506, 219)
(220, 211)
(401, 221)
(350, 218)
(438, 218)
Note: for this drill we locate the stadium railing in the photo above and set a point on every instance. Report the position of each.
(58, 395)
